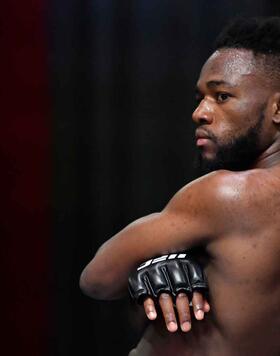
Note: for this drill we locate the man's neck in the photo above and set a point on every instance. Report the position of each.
(270, 157)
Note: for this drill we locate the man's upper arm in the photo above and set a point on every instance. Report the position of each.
(190, 219)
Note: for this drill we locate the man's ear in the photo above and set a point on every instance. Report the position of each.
(276, 108)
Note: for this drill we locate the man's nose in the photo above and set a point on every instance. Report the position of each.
(203, 114)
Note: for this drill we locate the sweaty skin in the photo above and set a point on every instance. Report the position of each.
(233, 217)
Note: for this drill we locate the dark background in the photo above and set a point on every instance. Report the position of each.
(95, 131)
(123, 80)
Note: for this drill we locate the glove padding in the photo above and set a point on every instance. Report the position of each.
(170, 274)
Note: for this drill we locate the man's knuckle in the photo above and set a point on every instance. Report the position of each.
(185, 316)
(169, 317)
(148, 308)
(198, 306)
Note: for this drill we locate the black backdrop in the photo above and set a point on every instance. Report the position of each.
(122, 83)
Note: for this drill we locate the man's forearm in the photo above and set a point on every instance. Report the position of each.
(177, 228)
(106, 276)
(98, 280)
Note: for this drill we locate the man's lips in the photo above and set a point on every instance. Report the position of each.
(202, 137)
(202, 141)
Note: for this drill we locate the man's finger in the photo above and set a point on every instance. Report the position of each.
(150, 310)
(166, 304)
(198, 297)
(183, 309)
(206, 306)
(198, 305)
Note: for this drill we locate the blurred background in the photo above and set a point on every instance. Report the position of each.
(96, 131)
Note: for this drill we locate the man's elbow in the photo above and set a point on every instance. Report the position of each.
(98, 288)
(90, 286)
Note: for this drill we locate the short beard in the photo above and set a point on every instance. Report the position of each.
(238, 155)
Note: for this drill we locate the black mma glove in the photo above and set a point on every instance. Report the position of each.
(171, 274)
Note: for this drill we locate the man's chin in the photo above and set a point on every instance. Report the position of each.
(204, 166)
(208, 154)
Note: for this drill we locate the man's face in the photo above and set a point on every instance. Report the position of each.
(232, 98)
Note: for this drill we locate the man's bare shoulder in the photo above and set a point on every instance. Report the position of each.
(221, 196)
(244, 188)
(220, 186)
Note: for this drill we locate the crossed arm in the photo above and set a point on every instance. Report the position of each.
(190, 219)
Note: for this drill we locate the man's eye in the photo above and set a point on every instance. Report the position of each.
(222, 97)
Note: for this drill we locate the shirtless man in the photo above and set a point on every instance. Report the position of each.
(231, 214)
